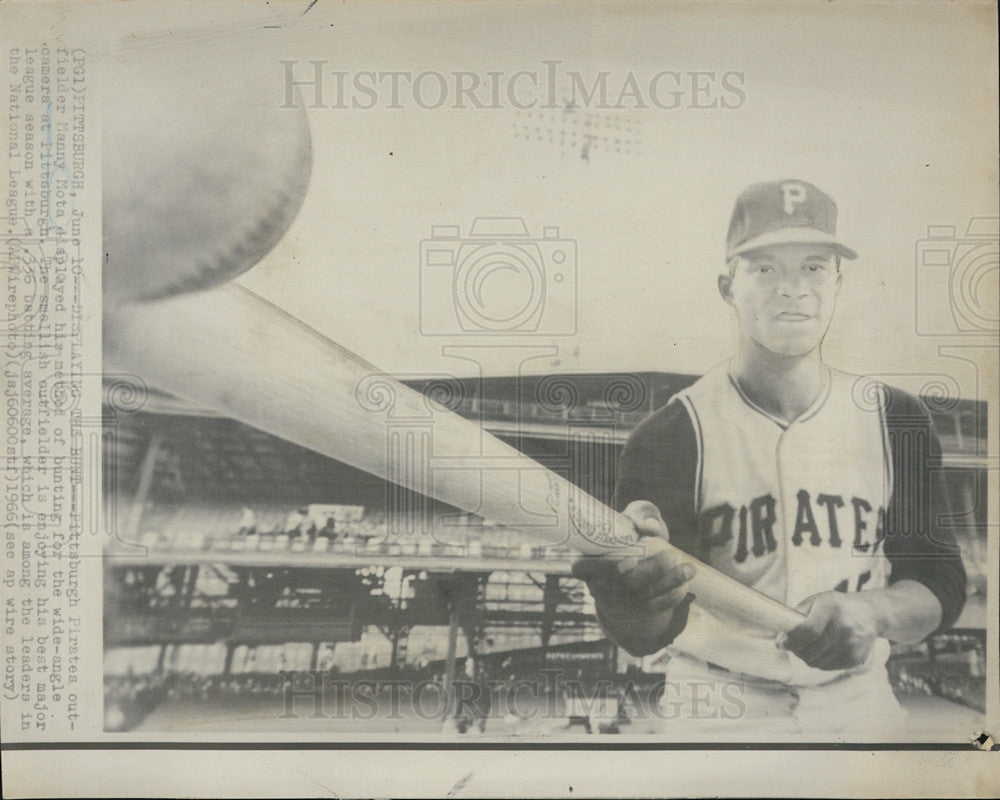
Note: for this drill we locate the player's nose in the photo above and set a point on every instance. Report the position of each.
(793, 285)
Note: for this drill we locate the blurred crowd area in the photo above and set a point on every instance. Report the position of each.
(949, 665)
(217, 529)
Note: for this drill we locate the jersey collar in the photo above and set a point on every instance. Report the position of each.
(808, 413)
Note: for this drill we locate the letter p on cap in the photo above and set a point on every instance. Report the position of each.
(794, 194)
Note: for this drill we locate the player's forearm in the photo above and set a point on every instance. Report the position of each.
(907, 612)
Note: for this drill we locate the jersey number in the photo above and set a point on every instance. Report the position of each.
(845, 585)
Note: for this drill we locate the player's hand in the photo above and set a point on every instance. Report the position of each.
(636, 599)
(838, 631)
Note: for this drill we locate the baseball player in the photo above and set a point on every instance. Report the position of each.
(818, 488)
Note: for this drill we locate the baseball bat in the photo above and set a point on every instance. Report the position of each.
(233, 352)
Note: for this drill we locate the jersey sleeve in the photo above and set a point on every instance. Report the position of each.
(918, 544)
(660, 464)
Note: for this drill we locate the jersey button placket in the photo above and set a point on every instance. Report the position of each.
(783, 533)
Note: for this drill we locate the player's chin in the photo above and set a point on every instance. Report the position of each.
(792, 346)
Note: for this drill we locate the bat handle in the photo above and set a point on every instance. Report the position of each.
(721, 593)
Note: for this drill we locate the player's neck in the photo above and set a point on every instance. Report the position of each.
(784, 386)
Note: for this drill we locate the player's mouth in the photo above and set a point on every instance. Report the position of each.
(794, 316)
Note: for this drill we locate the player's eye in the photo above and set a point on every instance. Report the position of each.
(765, 268)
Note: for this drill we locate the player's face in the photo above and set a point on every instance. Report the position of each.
(784, 296)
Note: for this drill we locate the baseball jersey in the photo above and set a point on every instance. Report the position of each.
(842, 498)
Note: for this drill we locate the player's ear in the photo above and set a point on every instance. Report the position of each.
(726, 287)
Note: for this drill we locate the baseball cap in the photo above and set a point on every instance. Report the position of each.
(783, 212)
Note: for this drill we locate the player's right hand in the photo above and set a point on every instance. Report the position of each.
(642, 603)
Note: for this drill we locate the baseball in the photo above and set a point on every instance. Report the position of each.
(203, 171)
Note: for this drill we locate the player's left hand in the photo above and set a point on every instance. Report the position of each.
(838, 631)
